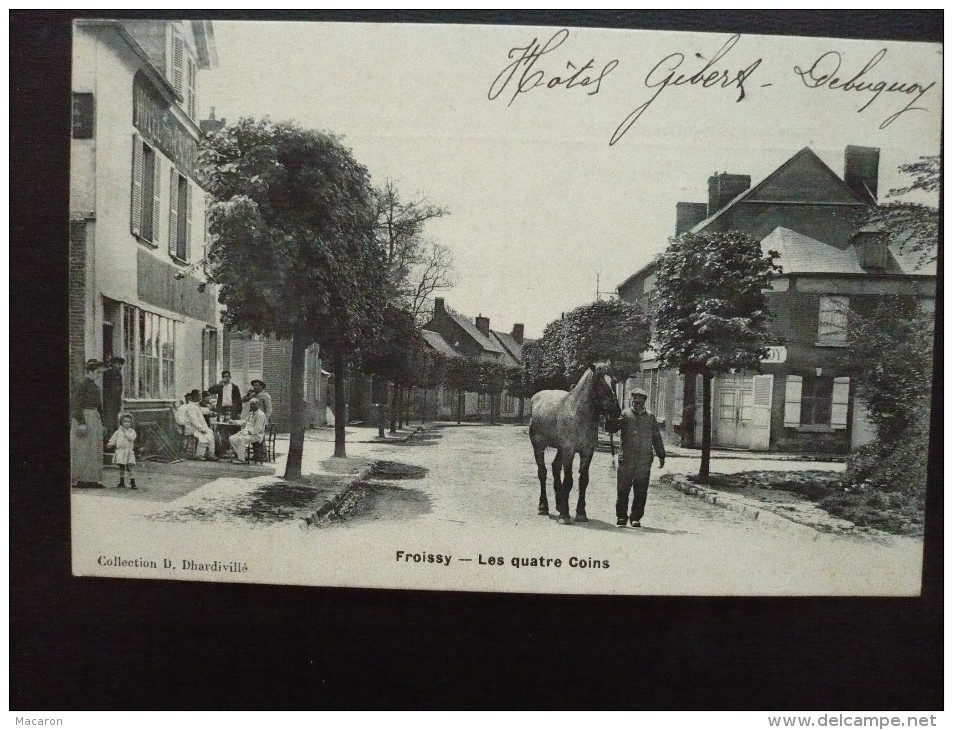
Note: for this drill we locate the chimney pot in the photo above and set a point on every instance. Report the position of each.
(483, 324)
(438, 305)
(517, 333)
(724, 188)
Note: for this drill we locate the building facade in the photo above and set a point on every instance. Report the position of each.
(138, 231)
(805, 398)
(453, 335)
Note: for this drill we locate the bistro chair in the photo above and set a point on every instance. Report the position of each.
(265, 449)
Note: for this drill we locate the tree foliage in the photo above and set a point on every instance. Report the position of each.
(293, 249)
(912, 226)
(891, 353)
(417, 266)
(710, 309)
(711, 313)
(611, 330)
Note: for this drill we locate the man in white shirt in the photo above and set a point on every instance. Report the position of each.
(253, 431)
(195, 425)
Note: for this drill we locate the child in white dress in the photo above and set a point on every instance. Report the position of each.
(124, 440)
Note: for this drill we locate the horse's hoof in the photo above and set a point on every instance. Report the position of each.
(564, 520)
(544, 511)
(581, 517)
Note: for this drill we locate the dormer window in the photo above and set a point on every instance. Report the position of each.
(871, 246)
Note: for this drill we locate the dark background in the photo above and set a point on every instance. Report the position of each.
(134, 644)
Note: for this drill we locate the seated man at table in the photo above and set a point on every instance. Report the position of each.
(195, 425)
(253, 431)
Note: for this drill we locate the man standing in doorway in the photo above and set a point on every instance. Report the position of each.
(112, 395)
(640, 437)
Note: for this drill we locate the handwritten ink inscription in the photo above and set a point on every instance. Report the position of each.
(533, 77)
(528, 70)
(822, 74)
(712, 75)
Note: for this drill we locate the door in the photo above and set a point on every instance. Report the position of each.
(763, 387)
(731, 418)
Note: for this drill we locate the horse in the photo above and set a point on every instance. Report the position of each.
(569, 422)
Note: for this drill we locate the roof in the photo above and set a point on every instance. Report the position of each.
(436, 341)
(800, 254)
(512, 350)
(485, 342)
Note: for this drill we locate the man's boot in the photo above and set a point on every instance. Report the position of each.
(132, 484)
(122, 483)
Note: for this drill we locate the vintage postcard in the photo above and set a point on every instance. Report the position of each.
(501, 308)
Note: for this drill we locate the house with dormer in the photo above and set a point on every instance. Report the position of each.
(804, 399)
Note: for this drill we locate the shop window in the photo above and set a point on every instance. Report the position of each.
(148, 342)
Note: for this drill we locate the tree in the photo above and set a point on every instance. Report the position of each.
(416, 266)
(390, 355)
(293, 249)
(710, 310)
(913, 226)
(611, 330)
(463, 374)
(491, 380)
(518, 385)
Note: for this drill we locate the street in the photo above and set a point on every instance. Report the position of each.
(456, 508)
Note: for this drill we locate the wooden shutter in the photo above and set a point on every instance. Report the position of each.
(188, 221)
(678, 400)
(135, 224)
(256, 362)
(839, 403)
(173, 212)
(762, 386)
(792, 401)
(156, 197)
(237, 359)
(190, 91)
(178, 61)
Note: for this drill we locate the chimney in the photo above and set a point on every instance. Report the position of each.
(211, 125)
(724, 188)
(861, 170)
(689, 215)
(483, 324)
(438, 307)
(517, 333)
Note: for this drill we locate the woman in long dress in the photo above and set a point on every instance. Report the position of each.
(86, 436)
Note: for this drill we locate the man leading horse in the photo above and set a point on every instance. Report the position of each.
(569, 423)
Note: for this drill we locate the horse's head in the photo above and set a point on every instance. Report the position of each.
(602, 392)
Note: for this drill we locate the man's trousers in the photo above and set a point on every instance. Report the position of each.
(634, 479)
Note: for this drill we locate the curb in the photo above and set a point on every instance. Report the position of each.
(745, 508)
(332, 504)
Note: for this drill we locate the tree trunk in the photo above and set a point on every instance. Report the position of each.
(460, 402)
(423, 409)
(400, 405)
(492, 409)
(703, 470)
(299, 347)
(393, 408)
(340, 409)
(522, 409)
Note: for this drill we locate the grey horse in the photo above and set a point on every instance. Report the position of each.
(569, 423)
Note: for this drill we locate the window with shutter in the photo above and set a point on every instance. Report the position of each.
(792, 400)
(187, 247)
(256, 361)
(190, 90)
(237, 360)
(135, 219)
(173, 212)
(839, 399)
(678, 401)
(832, 321)
(816, 400)
(156, 198)
(178, 63)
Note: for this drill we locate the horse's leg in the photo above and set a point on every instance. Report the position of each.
(557, 467)
(563, 506)
(539, 452)
(585, 459)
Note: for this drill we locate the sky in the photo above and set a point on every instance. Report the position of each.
(539, 201)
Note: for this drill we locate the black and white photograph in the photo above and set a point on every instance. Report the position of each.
(501, 308)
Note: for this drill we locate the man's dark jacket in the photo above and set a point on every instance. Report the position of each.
(236, 399)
